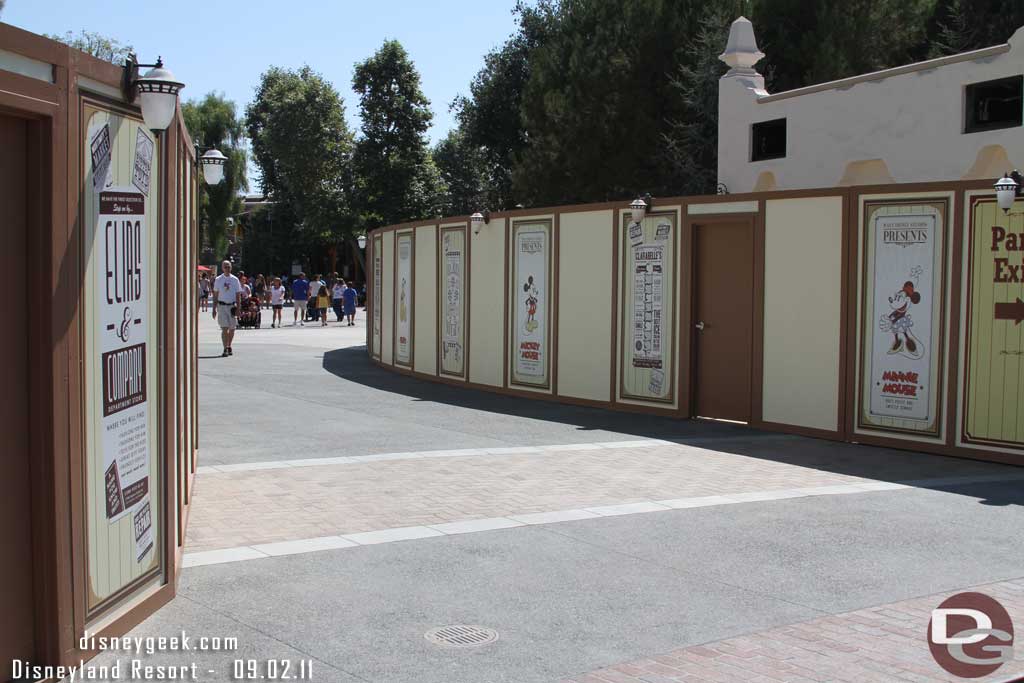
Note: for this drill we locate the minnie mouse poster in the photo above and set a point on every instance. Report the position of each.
(899, 323)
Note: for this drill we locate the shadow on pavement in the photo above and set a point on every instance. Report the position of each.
(883, 464)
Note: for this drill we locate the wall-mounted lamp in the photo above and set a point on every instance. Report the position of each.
(157, 91)
(479, 220)
(1008, 188)
(639, 207)
(361, 241)
(212, 163)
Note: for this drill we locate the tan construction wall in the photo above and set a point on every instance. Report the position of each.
(802, 307)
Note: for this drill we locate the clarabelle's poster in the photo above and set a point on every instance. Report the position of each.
(123, 321)
(403, 287)
(453, 264)
(901, 326)
(378, 261)
(647, 300)
(531, 300)
(648, 288)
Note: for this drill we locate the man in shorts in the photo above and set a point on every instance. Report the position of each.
(227, 297)
(300, 293)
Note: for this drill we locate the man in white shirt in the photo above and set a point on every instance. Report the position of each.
(227, 297)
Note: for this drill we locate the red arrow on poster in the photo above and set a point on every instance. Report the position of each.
(1011, 311)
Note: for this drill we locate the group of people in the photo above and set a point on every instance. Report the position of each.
(230, 292)
(316, 295)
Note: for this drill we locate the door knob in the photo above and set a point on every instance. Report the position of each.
(700, 325)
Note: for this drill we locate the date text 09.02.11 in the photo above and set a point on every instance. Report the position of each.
(272, 670)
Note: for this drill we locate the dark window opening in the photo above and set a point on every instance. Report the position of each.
(768, 140)
(994, 104)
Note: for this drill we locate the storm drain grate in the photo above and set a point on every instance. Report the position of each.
(461, 636)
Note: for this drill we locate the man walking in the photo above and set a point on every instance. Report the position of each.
(300, 294)
(227, 297)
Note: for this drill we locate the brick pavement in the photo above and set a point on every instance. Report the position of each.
(241, 508)
(881, 644)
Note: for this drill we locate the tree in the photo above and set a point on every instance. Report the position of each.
(212, 122)
(598, 100)
(963, 25)
(463, 171)
(691, 141)
(98, 46)
(814, 42)
(395, 177)
(302, 146)
(490, 117)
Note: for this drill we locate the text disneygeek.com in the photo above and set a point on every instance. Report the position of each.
(133, 663)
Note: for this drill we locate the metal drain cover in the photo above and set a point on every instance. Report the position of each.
(461, 635)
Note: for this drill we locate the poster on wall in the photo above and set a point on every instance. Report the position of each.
(453, 264)
(99, 153)
(648, 284)
(403, 288)
(143, 163)
(993, 413)
(531, 300)
(378, 279)
(902, 309)
(123, 327)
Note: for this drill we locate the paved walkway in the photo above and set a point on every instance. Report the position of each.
(881, 643)
(302, 499)
(341, 512)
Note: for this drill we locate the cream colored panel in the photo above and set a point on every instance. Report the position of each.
(802, 299)
(486, 302)
(387, 299)
(113, 563)
(425, 296)
(585, 320)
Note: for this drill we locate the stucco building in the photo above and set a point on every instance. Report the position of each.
(953, 118)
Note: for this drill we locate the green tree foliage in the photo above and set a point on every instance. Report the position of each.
(815, 41)
(592, 99)
(213, 122)
(97, 45)
(463, 170)
(396, 178)
(962, 25)
(490, 118)
(691, 141)
(302, 146)
(598, 99)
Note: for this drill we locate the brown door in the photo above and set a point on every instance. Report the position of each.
(16, 625)
(723, 319)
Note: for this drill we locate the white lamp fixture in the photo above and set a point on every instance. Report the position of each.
(158, 93)
(1007, 190)
(212, 163)
(361, 241)
(478, 220)
(638, 209)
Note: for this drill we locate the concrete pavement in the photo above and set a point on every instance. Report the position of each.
(791, 536)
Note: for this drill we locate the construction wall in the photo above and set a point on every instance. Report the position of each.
(882, 314)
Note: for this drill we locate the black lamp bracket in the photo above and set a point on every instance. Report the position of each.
(131, 74)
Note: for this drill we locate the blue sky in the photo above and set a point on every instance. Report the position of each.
(223, 46)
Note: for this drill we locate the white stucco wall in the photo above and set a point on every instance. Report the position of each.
(425, 321)
(585, 290)
(802, 302)
(911, 121)
(487, 311)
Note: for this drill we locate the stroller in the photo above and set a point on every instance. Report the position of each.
(250, 313)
